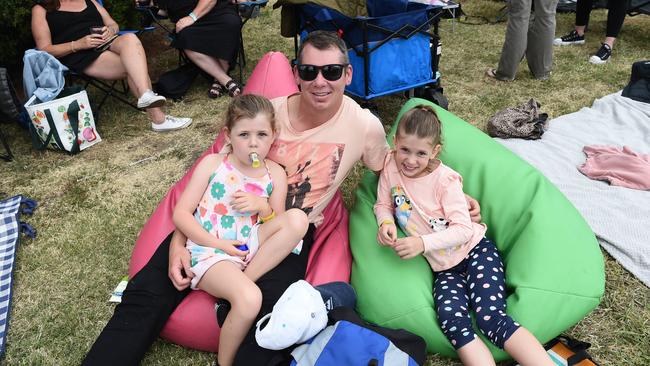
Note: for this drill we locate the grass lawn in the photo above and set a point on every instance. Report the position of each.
(93, 205)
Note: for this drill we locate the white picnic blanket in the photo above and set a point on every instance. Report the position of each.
(620, 217)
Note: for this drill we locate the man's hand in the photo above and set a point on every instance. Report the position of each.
(474, 209)
(409, 247)
(387, 234)
(179, 260)
(183, 22)
(250, 203)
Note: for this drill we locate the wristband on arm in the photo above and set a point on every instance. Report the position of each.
(193, 16)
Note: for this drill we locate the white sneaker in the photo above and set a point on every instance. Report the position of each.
(149, 99)
(171, 123)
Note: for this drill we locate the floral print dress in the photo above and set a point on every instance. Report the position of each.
(218, 217)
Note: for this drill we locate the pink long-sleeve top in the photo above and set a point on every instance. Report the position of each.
(432, 207)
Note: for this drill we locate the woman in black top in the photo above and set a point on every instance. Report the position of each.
(208, 31)
(62, 29)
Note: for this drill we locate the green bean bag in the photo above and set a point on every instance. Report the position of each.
(553, 265)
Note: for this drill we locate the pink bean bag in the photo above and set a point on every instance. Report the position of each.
(193, 324)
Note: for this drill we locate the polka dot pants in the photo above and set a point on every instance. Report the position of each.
(476, 283)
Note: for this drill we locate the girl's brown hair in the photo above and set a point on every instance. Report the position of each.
(423, 122)
(249, 106)
(50, 5)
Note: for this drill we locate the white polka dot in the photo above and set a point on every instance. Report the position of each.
(500, 296)
(445, 322)
(447, 301)
(466, 298)
(480, 267)
(454, 291)
(443, 282)
(478, 299)
(474, 263)
(495, 269)
(501, 269)
(454, 297)
(447, 308)
(459, 285)
(458, 314)
(475, 256)
(478, 309)
(489, 259)
(486, 285)
(439, 297)
(494, 278)
(489, 333)
(445, 287)
(472, 295)
(480, 275)
(471, 286)
(500, 287)
(453, 342)
(452, 329)
(465, 334)
(484, 250)
(487, 317)
(493, 308)
(517, 324)
(464, 308)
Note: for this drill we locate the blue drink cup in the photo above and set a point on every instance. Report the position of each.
(242, 247)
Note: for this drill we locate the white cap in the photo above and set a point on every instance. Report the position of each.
(298, 315)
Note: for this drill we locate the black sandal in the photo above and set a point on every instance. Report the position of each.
(233, 88)
(216, 90)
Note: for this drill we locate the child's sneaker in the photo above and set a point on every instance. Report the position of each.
(602, 55)
(572, 38)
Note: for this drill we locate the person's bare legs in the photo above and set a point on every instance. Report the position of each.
(475, 353)
(217, 68)
(108, 66)
(610, 41)
(580, 29)
(225, 280)
(526, 349)
(134, 60)
(277, 239)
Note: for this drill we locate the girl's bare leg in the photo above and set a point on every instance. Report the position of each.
(526, 349)
(277, 238)
(225, 280)
(475, 353)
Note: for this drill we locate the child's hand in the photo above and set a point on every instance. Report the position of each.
(409, 247)
(228, 246)
(248, 202)
(387, 234)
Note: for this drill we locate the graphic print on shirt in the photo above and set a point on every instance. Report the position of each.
(311, 169)
(402, 209)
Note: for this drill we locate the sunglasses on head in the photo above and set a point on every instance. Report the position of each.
(330, 72)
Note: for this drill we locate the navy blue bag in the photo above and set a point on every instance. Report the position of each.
(352, 341)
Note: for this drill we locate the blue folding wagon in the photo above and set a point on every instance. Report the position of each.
(396, 48)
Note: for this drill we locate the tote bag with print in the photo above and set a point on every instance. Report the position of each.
(63, 124)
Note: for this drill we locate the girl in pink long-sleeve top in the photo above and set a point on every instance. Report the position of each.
(426, 199)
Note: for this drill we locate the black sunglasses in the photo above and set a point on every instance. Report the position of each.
(330, 72)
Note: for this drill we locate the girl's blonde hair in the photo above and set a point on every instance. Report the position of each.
(249, 106)
(423, 122)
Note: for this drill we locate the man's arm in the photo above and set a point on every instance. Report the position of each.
(474, 209)
(179, 260)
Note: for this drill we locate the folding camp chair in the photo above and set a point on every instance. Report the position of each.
(247, 10)
(377, 44)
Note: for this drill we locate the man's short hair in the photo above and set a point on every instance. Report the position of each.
(323, 40)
